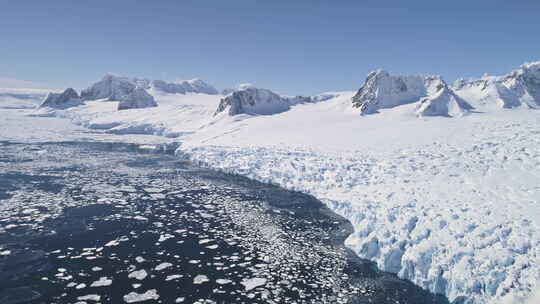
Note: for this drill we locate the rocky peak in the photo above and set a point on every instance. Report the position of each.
(519, 88)
(137, 99)
(248, 99)
(116, 88)
(444, 102)
(382, 90)
(61, 100)
(252, 100)
(110, 87)
(527, 76)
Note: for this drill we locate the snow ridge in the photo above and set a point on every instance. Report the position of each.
(132, 92)
(443, 103)
(182, 87)
(520, 88)
(382, 90)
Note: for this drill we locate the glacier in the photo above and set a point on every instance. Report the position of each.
(439, 181)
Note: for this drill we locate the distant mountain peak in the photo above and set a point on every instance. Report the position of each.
(443, 102)
(137, 99)
(110, 87)
(68, 98)
(248, 99)
(519, 88)
(114, 87)
(195, 85)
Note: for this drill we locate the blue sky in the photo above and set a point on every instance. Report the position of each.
(292, 47)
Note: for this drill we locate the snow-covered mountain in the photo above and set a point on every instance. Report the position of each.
(382, 90)
(248, 99)
(68, 98)
(126, 90)
(182, 87)
(110, 87)
(444, 102)
(520, 88)
(117, 86)
(137, 99)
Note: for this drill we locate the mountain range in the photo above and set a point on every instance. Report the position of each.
(431, 95)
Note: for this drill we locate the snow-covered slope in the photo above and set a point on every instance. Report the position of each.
(382, 90)
(21, 97)
(248, 99)
(68, 98)
(176, 115)
(520, 88)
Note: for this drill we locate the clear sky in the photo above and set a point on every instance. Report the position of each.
(292, 47)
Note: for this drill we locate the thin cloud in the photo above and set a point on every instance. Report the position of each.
(13, 83)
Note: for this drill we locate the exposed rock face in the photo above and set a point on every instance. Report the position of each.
(528, 77)
(248, 99)
(137, 99)
(520, 88)
(111, 87)
(68, 98)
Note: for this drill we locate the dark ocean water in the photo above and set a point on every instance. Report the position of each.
(113, 223)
